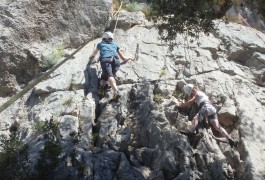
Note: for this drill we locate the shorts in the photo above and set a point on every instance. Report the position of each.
(207, 111)
(109, 69)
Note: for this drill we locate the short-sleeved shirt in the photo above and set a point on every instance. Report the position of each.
(202, 97)
(107, 49)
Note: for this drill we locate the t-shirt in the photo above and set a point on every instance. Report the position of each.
(107, 49)
(201, 98)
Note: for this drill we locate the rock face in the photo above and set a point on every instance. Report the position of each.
(139, 136)
(246, 15)
(31, 28)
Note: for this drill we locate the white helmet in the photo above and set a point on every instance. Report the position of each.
(188, 88)
(107, 35)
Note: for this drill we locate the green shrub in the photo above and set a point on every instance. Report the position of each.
(48, 160)
(163, 72)
(68, 101)
(182, 96)
(49, 156)
(51, 59)
(14, 158)
(39, 126)
(158, 98)
(148, 11)
(116, 4)
(133, 7)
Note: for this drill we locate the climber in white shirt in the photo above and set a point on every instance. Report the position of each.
(206, 110)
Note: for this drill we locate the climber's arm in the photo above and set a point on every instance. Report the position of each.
(94, 53)
(187, 103)
(92, 56)
(122, 56)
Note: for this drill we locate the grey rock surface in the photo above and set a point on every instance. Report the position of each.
(32, 29)
(139, 137)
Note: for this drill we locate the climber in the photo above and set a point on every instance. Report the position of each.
(206, 110)
(109, 61)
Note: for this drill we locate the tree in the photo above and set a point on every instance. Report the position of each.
(259, 6)
(49, 156)
(14, 157)
(192, 16)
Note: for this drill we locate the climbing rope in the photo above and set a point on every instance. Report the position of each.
(117, 13)
(241, 17)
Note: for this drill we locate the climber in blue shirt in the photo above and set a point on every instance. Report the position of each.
(109, 61)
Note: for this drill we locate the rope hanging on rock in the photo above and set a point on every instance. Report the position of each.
(241, 17)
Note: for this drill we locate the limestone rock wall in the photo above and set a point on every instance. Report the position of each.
(140, 136)
(32, 28)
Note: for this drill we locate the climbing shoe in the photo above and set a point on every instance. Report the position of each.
(107, 87)
(101, 91)
(116, 96)
(191, 131)
(231, 142)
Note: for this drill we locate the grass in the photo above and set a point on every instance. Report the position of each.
(14, 157)
(182, 96)
(163, 72)
(68, 101)
(39, 126)
(158, 98)
(148, 11)
(51, 59)
(93, 140)
(116, 4)
(134, 7)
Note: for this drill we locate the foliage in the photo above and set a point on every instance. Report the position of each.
(136, 6)
(116, 4)
(68, 101)
(133, 7)
(48, 160)
(93, 140)
(163, 72)
(49, 156)
(258, 5)
(81, 167)
(51, 59)
(39, 126)
(182, 96)
(191, 17)
(147, 10)
(186, 16)
(158, 98)
(14, 158)
(50, 129)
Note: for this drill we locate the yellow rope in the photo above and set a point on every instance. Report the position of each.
(117, 13)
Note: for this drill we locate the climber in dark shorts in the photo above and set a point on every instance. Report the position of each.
(206, 110)
(110, 63)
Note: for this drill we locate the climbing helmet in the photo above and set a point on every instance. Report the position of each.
(188, 89)
(107, 35)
